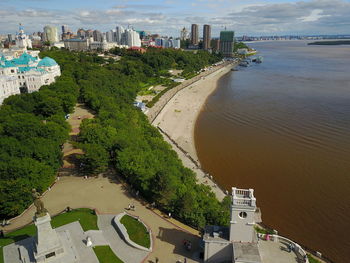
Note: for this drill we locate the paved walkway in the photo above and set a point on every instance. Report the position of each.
(110, 196)
(276, 252)
(124, 251)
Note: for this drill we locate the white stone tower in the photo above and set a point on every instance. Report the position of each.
(242, 222)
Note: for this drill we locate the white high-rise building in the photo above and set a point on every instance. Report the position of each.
(51, 34)
(132, 38)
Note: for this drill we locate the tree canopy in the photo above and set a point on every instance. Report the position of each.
(120, 134)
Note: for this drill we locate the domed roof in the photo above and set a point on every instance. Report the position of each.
(47, 62)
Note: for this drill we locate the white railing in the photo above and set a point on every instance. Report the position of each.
(243, 197)
(242, 193)
(242, 201)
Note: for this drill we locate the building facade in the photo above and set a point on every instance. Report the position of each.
(227, 42)
(50, 34)
(194, 35)
(26, 73)
(206, 37)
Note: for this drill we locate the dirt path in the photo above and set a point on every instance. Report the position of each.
(69, 152)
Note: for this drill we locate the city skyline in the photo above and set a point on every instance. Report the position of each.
(249, 17)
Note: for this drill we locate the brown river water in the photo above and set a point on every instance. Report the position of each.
(283, 128)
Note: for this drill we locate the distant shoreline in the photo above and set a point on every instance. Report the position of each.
(331, 43)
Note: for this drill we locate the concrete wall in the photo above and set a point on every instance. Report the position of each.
(218, 252)
(242, 229)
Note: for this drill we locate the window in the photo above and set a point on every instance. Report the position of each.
(242, 215)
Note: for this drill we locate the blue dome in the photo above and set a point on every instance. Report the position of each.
(47, 62)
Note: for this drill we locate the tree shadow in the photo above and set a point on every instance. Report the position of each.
(176, 238)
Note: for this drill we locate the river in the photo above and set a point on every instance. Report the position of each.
(283, 128)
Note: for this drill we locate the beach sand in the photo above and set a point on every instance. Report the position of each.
(177, 121)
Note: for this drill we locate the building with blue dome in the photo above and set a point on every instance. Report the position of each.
(25, 73)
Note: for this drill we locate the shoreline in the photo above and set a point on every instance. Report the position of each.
(177, 118)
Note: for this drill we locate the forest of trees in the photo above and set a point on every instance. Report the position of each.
(33, 129)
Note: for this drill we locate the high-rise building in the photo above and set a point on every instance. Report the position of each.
(206, 37)
(50, 34)
(110, 36)
(119, 30)
(194, 35)
(184, 34)
(97, 35)
(227, 41)
(66, 32)
(65, 29)
(132, 38)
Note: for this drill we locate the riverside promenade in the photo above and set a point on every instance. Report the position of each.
(175, 115)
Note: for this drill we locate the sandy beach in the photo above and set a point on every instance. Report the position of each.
(177, 121)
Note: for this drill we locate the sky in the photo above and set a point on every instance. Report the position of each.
(168, 17)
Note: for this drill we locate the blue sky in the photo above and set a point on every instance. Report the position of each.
(167, 17)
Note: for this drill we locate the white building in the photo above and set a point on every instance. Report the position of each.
(78, 44)
(51, 34)
(237, 243)
(168, 43)
(132, 38)
(8, 86)
(26, 73)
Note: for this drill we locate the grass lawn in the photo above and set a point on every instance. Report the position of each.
(106, 255)
(136, 231)
(85, 216)
(312, 259)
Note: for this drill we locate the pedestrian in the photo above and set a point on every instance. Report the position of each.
(169, 215)
(185, 260)
(2, 233)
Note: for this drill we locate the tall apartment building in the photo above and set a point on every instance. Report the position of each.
(227, 41)
(206, 37)
(194, 35)
(132, 38)
(50, 34)
(119, 30)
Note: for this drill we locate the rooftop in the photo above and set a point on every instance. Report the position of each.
(246, 252)
(216, 233)
(47, 62)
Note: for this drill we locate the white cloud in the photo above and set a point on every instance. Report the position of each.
(298, 17)
(315, 15)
